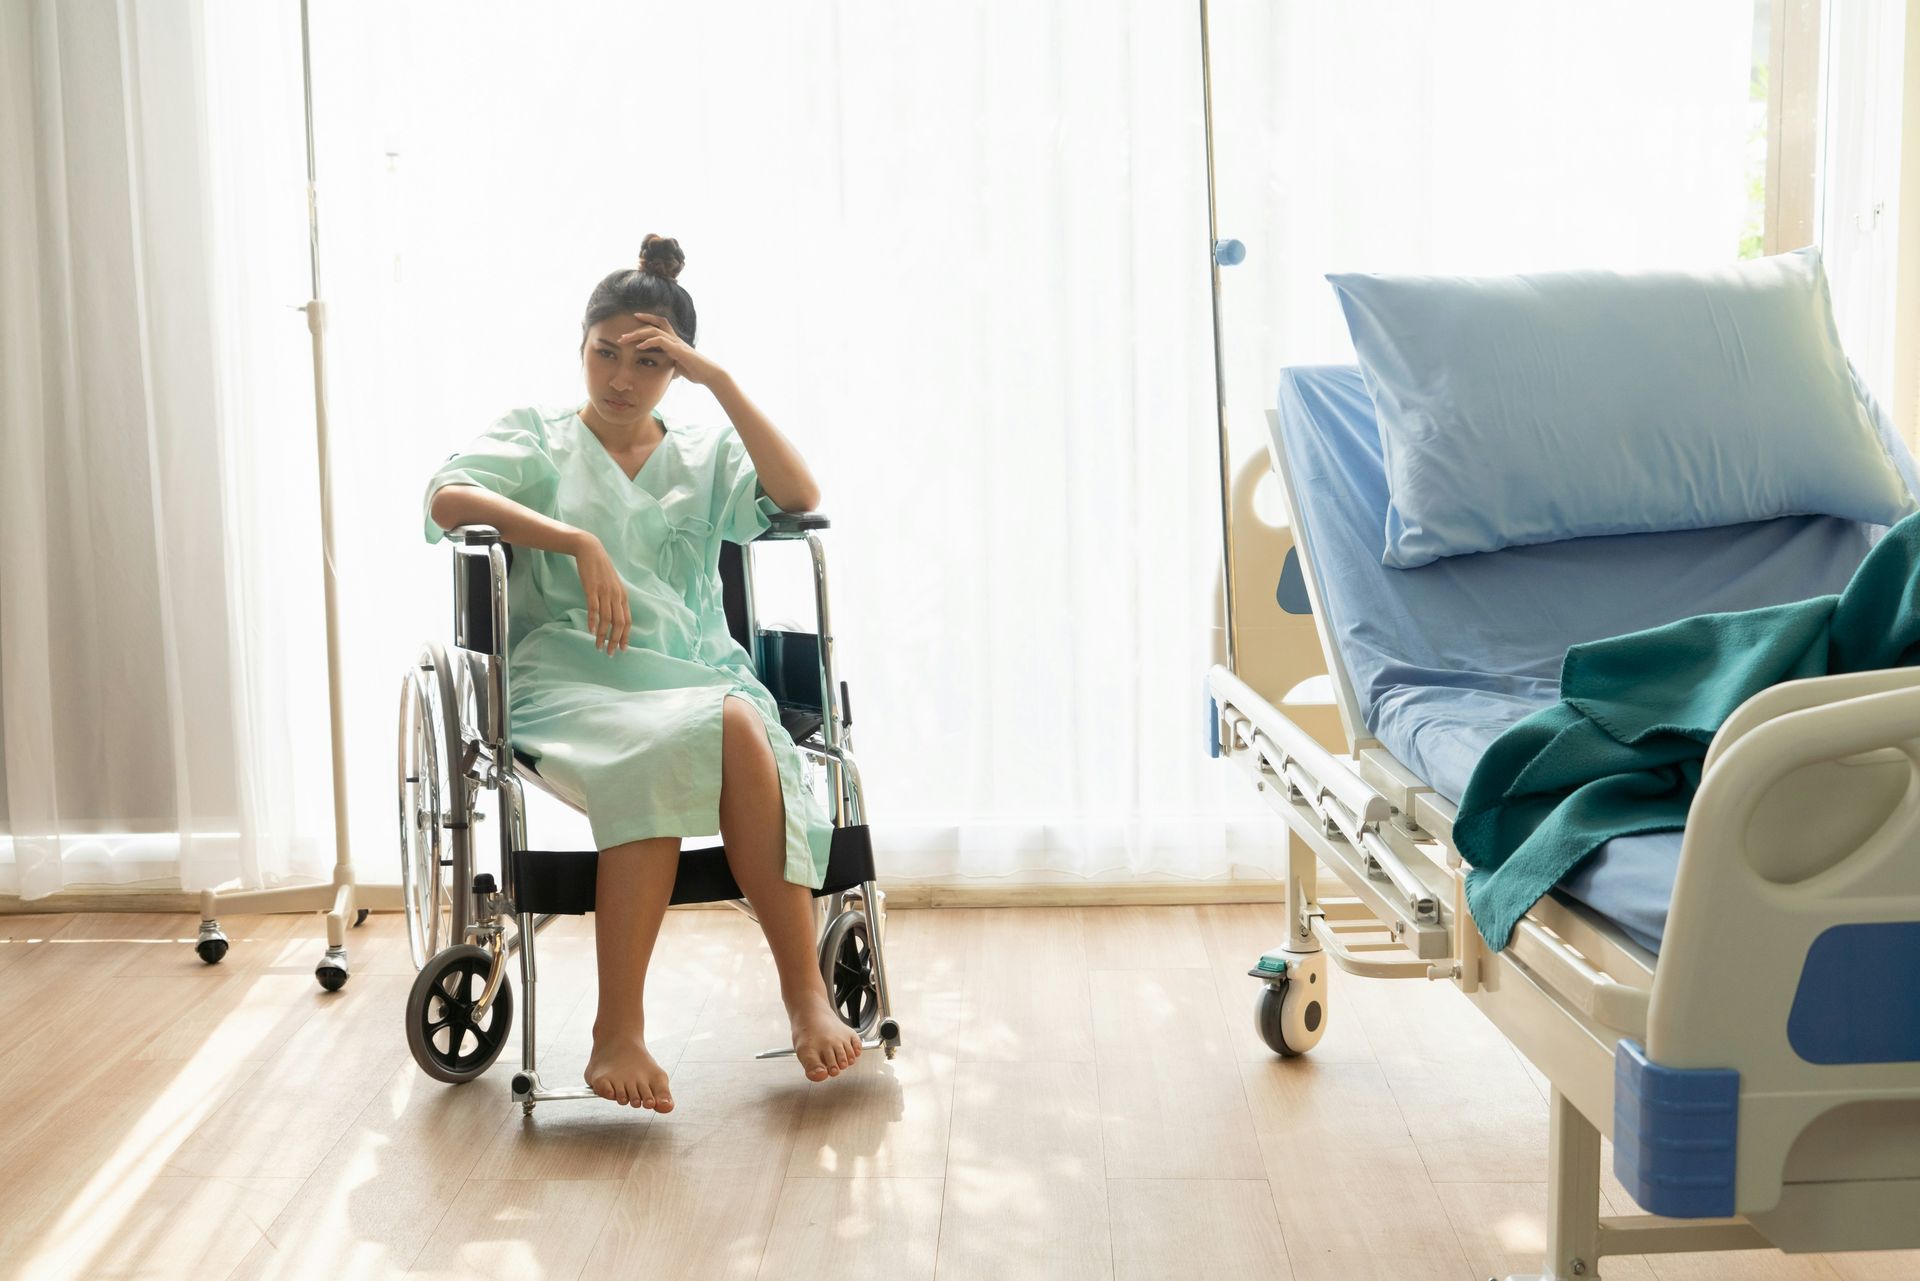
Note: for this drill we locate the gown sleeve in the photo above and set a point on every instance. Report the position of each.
(742, 510)
(510, 458)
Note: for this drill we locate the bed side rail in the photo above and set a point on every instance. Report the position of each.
(1340, 815)
(1791, 961)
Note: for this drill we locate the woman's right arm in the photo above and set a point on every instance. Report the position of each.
(609, 615)
(455, 505)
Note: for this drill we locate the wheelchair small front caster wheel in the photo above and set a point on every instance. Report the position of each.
(212, 944)
(447, 1041)
(846, 963)
(332, 970)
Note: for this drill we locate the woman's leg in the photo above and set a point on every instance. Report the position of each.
(630, 900)
(753, 824)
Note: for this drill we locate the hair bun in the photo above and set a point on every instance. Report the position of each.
(661, 256)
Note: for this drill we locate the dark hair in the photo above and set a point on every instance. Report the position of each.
(650, 287)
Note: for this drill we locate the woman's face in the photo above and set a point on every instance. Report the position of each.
(623, 384)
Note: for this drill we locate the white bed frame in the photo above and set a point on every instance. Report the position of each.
(1808, 817)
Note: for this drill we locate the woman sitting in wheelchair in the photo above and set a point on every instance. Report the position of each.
(626, 686)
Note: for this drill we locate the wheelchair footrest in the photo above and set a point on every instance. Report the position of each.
(563, 881)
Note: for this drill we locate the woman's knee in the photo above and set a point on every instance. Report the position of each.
(744, 736)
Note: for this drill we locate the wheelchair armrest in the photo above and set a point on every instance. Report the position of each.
(481, 536)
(793, 525)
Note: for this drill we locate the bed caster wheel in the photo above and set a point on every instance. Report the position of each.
(212, 944)
(332, 970)
(447, 1041)
(1291, 1013)
(846, 963)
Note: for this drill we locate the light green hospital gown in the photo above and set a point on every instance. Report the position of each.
(635, 736)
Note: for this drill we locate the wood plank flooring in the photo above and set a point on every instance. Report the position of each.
(1081, 1095)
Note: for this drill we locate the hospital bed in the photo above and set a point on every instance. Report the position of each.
(1734, 1007)
(466, 926)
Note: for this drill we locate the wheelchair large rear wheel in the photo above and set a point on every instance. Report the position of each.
(447, 1041)
(846, 963)
(429, 743)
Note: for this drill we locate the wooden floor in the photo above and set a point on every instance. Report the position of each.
(1080, 1095)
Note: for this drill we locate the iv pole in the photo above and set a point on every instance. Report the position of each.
(337, 898)
(1229, 253)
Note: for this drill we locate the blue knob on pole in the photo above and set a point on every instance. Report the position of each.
(1229, 253)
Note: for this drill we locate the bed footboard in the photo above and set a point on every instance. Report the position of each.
(1780, 1079)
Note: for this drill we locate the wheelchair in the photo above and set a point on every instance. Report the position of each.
(465, 925)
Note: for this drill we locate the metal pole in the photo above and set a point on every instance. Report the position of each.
(342, 892)
(313, 213)
(316, 324)
(1219, 355)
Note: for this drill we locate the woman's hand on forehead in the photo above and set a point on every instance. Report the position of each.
(656, 333)
(646, 319)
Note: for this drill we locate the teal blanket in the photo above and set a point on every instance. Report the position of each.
(1621, 753)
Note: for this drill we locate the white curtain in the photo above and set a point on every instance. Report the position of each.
(950, 248)
(1859, 207)
(957, 251)
(157, 590)
(1511, 135)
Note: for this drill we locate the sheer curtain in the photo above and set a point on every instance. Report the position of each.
(1513, 135)
(957, 252)
(156, 709)
(954, 250)
(950, 249)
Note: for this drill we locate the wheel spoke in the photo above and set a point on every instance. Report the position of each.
(487, 1037)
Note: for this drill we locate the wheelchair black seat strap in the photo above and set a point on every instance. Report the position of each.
(564, 881)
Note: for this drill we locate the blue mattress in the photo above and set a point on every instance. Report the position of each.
(1446, 657)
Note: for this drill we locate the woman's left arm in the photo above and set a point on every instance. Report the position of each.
(783, 473)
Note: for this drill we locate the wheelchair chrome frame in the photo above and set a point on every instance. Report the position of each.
(484, 759)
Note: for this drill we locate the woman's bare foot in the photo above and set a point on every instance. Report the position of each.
(620, 1069)
(823, 1044)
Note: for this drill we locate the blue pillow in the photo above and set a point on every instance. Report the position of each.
(1528, 409)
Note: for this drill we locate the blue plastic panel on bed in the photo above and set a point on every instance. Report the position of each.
(1445, 657)
(1859, 996)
